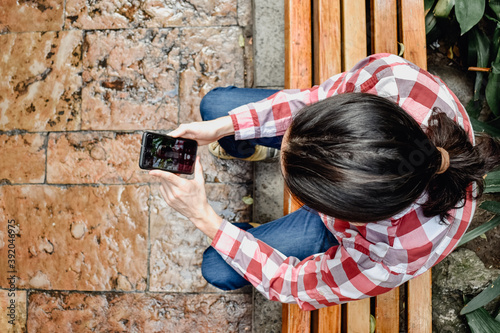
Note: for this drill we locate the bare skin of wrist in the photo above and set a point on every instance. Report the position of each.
(224, 125)
(208, 224)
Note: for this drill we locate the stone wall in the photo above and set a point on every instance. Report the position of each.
(96, 248)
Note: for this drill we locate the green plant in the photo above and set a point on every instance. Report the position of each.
(471, 29)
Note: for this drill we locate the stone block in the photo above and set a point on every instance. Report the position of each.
(22, 158)
(177, 246)
(94, 157)
(210, 58)
(41, 81)
(245, 13)
(30, 15)
(269, 43)
(269, 187)
(267, 314)
(121, 14)
(77, 237)
(138, 312)
(13, 315)
(224, 171)
(130, 79)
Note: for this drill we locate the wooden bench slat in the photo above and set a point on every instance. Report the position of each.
(298, 44)
(327, 39)
(353, 33)
(357, 316)
(412, 26)
(295, 320)
(384, 26)
(387, 312)
(327, 320)
(420, 304)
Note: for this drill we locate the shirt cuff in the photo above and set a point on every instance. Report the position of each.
(228, 239)
(242, 119)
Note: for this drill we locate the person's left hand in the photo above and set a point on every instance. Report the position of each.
(188, 197)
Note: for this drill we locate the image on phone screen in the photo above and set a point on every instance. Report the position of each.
(163, 152)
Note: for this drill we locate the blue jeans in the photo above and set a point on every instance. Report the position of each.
(299, 234)
(219, 101)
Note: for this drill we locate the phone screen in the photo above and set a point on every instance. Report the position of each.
(167, 153)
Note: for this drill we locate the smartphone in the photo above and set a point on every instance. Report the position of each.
(166, 153)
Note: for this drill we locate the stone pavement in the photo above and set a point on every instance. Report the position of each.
(96, 248)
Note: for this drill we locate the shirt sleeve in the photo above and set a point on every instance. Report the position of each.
(385, 75)
(318, 281)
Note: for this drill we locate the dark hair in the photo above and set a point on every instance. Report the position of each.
(362, 158)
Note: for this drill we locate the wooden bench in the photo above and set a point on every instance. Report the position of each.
(323, 38)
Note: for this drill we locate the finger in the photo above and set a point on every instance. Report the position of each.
(179, 131)
(167, 176)
(198, 171)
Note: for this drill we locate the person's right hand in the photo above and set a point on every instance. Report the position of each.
(205, 132)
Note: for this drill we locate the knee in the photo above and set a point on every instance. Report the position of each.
(218, 273)
(209, 105)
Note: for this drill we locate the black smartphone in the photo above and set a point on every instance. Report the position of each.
(166, 153)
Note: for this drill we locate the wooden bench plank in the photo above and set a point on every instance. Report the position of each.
(387, 312)
(384, 26)
(298, 74)
(420, 304)
(298, 44)
(353, 32)
(327, 320)
(412, 25)
(357, 316)
(295, 320)
(327, 39)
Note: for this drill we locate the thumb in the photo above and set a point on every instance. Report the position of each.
(179, 131)
(198, 171)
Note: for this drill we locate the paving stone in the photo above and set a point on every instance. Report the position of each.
(267, 315)
(269, 186)
(224, 171)
(13, 320)
(90, 15)
(138, 312)
(77, 237)
(177, 246)
(130, 79)
(245, 13)
(22, 158)
(41, 82)
(31, 15)
(210, 58)
(94, 157)
(269, 43)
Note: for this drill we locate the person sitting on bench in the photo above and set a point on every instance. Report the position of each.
(384, 159)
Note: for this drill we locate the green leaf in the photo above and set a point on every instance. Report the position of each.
(479, 54)
(480, 321)
(373, 323)
(480, 230)
(469, 13)
(248, 200)
(473, 108)
(430, 23)
(493, 86)
(495, 6)
(487, 295)
(491, 206)
(492, 182)
(443, 8)
(428, 4)
(480, 127)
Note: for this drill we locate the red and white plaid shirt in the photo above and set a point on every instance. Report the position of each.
(371, 259)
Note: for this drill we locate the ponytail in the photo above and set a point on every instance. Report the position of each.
(467, 164)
